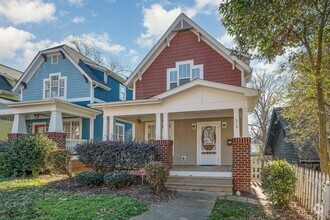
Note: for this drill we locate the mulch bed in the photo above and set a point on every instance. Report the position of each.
(144, 192)
(293, 212)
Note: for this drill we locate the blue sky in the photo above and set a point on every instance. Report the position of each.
(122, 29)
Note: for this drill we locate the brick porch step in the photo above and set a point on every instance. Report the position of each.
(211, 184)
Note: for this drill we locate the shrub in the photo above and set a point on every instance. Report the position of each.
(6, 170)
(118, 180)
(3, 146)
(156, 175)
(58, 162)
(27, 154)
(116, 155)
(278, 181)
(89, 179)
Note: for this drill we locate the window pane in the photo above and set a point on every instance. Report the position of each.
(173, 76)
(173, 85)
(62, 82)
(47, 93)
(54, 80)
(75, 130)
(195, 73)
(184, 70)
(54, 92)
(61, 92)
(47, 84)
(67, 129)
(151, 131)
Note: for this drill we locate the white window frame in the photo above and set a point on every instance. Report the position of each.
(80, 127)
(177, 65)
(52, 59)
(117, 135)
(105, 78)
(122, 90)
(50, 86)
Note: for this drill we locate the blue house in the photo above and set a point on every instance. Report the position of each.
(55, 93)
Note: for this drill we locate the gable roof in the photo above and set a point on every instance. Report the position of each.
(82, 63)
(4, 84)
(182, 22)
(304, 152)
(8, 78)
(9, 72)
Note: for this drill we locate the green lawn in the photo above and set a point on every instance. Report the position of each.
(27, 199)
(225, 209)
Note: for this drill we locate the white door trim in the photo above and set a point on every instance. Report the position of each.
(218, 141)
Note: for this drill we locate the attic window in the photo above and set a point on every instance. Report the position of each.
(54, 59)
(184, 72)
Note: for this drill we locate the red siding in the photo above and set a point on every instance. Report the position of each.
(185, 46)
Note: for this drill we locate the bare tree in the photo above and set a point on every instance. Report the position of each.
(271, 88)
(87, 49)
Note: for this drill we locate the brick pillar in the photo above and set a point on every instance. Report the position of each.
(242, 164)
(165, 151)
(59, 138)
(14, 136)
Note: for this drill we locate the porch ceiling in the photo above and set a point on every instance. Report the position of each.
(49, 105)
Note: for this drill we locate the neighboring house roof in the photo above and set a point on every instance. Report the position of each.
(183, 23)
(82, 63)
(10, 72)
(4, 84)
(304, 152)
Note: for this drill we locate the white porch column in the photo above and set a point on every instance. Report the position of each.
(112, 132)
(105, 128)
(165, 126)
(158, 127)
(236, 122)
(91, 128)
(245, 123)
(19, 125)
(56, 122)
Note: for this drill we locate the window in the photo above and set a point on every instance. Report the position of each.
(55, 86)
(184, 72)
(54, 59)
(72, 129)
(122, 92)
(120, 132)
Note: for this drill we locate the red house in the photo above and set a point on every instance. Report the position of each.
(190, 98)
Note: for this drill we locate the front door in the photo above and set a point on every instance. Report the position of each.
(39, 128)
(208, 143)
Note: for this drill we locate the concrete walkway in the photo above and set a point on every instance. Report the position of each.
(189, 205)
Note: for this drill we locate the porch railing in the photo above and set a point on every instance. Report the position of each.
(72, 143)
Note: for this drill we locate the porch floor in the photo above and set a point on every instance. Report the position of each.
(195, 168)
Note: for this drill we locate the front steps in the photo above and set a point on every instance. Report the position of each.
(197, 183)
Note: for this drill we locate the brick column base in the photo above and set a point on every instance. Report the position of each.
(14, 136)
(242, 164)
(59, 138)
(165, 152)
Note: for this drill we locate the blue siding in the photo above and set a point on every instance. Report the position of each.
(85, 128)
(84, 103)
(98, 127)
(99, 73)
(76, 84)
(129, 94)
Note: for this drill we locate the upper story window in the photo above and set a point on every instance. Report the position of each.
(122, 92)
(54, 59)
(54, 86)
(184, 72)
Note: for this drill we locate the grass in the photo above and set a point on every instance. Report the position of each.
(27, 199)
(225, 209)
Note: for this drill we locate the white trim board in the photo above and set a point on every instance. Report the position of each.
(201, 174)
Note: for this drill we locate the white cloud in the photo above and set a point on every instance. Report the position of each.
(134, 55)
(76, 2)
(156, 19)
(78, 19)
(25, 11)
(101, 42)
(227, 40)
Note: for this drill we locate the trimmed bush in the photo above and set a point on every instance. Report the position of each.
(278, 181)
(6, 170)
(58, 162)
(27, 154)
(156, 175)
(118, 180)
(89, 179)
(116, 155)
